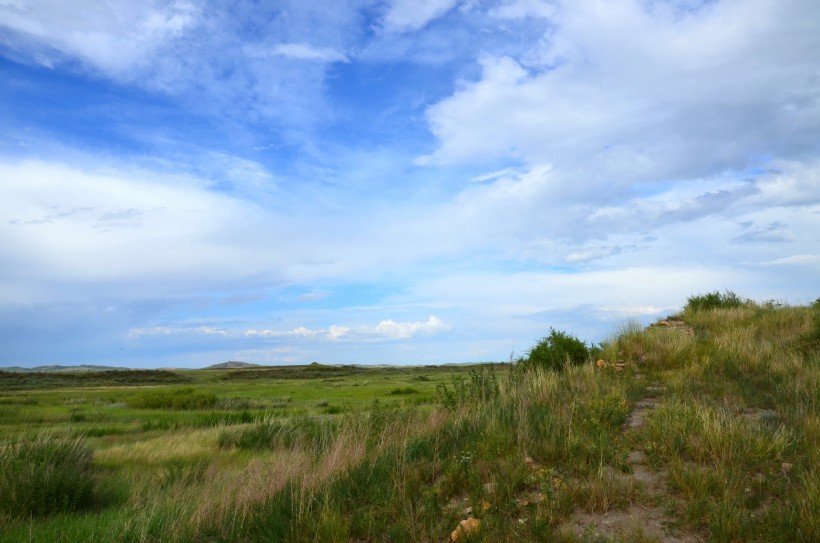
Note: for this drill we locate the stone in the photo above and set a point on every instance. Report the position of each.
(465, 529)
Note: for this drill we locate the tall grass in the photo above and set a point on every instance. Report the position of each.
(45, 474)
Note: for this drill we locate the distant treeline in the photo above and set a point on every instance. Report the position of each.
(14, 380)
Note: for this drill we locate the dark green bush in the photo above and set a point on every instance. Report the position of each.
(556, 350)
(405, 390)
(714, 300)
(44, 475)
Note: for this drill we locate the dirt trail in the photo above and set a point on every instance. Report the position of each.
(648, 520)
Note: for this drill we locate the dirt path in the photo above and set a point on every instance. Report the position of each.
(648, 520)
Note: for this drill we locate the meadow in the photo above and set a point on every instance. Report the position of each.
(703, 427)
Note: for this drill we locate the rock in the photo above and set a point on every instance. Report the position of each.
(465, 529)
(531, 463)
(489, 488)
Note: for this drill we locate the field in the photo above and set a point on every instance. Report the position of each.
(704, 427)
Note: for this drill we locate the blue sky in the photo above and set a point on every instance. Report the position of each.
(188, 182)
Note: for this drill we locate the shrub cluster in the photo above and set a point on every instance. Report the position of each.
(556, 350)
(714, 300)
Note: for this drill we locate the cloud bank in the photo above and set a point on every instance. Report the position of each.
(411, 182)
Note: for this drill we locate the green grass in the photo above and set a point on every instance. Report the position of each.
(323, 453)
(45, 474)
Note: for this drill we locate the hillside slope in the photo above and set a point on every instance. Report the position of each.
(705, 427)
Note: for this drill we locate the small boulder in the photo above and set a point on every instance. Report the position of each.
(465, 529)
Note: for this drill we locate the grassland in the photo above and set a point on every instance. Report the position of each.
(704, 427)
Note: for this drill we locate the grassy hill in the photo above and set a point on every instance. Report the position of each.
(233, 365)
(703, 427)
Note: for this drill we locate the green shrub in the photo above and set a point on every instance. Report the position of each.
(556, 350)
(405, 390)
(714, 300)
(45, 474)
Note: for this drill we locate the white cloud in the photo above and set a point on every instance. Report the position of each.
(793, 260)
(520, 9)
(387, 329)
(300, 332)
(335, 331)
(404, 330)
(140, 231)
(624, 93)
(302, 51)
(136, 333)
(409, 15)
(200, 54)
(114, 37)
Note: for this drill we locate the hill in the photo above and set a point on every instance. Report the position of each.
(233, 365)
(59, 369)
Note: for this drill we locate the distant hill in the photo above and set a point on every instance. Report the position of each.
(233, 365)
(62, 369)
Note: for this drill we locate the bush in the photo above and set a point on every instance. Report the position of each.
(405, 390)
(44, 475)
(556, 350)
(714, 300)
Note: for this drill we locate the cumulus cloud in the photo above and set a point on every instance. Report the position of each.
(626, 92)
(404, 330)
(387, 329)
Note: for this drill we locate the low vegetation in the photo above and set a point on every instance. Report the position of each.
(702, 427)
(30, 380)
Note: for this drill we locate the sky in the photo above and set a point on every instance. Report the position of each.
(185, 182)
